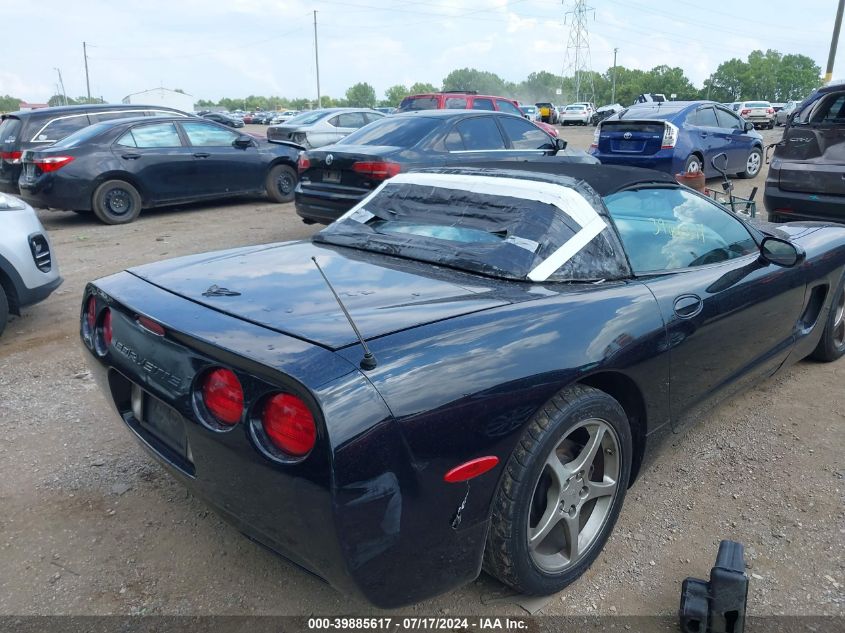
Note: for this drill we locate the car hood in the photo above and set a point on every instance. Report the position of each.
(279, 287)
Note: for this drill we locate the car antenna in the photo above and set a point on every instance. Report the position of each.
(369, 361)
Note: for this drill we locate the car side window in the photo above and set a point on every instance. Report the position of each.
(206, 135)
(704, 117)
(151, 136)
(351, 119)
(507, 106)
(59, 128)
(672, 228)
(112, 115)
(728, 120)
(453, 141)
(525, 135)
(334, 121)
(480, 133)
(456, 103)
(369, 117)
(482, 104)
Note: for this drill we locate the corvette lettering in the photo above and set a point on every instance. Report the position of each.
(158, 373)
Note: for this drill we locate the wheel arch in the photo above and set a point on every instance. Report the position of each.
(626, 392)
(8, 286)
(282, 160)
(119, 175)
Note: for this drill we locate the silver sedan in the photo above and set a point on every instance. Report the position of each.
(322, 127)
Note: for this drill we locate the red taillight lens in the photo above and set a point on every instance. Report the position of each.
(52, 163)
(107, 327)
(377, 170)
(150, 325)
(289, 425)
(11, 157)
(770, 110)
(744, 112)
(91, 313)
(303, 163)
(223, 395)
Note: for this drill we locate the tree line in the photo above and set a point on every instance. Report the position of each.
(768, 76)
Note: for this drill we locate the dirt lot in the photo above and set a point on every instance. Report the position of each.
(90, 525)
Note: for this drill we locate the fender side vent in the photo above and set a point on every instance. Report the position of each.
(814, 307)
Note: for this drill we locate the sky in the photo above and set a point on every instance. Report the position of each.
(233, 48)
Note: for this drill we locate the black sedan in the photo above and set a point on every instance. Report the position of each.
(336, 177)
(116, 168)
(499, 353)
(223, 119)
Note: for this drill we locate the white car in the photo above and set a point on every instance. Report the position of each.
(760, 113)
(281, 117)
(532, 113)
(28, 270)
(578, 113)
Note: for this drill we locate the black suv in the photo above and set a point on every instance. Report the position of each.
(807, 174)
(31, 129)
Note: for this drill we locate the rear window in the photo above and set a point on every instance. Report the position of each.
(506, 227)
(830, 109)
(307, 118)
(82, 136)
(418, 103)
(10, 127)
(758, 104)
(649, 112)
(60, 127)
(575, 108)
(397, 132)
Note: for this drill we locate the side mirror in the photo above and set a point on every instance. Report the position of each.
(749, 126)
(781, 252)
(242, 142)
(560, 144)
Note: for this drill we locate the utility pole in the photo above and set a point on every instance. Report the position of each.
(317, 60)
(613, 89)
(62, 84)
(87, 83)
(837, 23)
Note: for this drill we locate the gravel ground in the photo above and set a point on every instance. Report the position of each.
(91, 525)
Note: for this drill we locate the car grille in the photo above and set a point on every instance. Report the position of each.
(41, 253)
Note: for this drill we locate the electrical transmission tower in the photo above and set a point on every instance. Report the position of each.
(576, 61)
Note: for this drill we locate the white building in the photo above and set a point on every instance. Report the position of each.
(162, 97)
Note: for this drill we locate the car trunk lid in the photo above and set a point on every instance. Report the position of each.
(813, 159)
(631, 137)
(279, 287)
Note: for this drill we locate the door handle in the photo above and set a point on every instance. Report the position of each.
(703, 134)
(202, 155)
(688, 306)
(130, 156)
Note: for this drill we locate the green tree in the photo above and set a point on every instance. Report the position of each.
(394, 95)
(9, 103)
(361, 95)
(57, 100)
(422, 87)
(539, 86)
(481, 81)
(768, 75)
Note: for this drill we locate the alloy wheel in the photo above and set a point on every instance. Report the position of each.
(752, 165)
(839, 320)
(574, 495)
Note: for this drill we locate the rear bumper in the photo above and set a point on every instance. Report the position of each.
(347, 512)
(325, 206)
(794, 205)
(55, 192)
(661, 161)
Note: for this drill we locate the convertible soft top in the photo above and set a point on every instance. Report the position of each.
(538, 221)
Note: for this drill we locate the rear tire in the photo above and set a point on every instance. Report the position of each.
(832, 343)
(562, 488)
(753, 163)
(693, 164)
(116, 202)
(281, 183)
(4, 310)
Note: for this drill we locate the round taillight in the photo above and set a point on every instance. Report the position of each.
(289, 425)
(223, 396)
(107, 327)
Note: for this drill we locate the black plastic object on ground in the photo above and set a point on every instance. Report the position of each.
(717, 606)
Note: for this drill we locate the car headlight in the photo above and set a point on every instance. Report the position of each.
(8, 202)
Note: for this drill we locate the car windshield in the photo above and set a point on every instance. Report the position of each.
(307, 118)
(83, 136)
(418, 103)
(517, 227)
(397, 132)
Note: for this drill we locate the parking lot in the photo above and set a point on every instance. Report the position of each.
(91, 525)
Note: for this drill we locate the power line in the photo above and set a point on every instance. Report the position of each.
(577, 60)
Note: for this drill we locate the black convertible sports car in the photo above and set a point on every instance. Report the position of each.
(517, 344)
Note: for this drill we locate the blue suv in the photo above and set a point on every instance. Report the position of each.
(679, 136)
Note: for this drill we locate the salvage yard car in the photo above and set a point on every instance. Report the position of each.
(117, 168)
(322, 127)
(29, 272)
(335, 178)
(467, 370)
(679, 136)
(806, 178)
